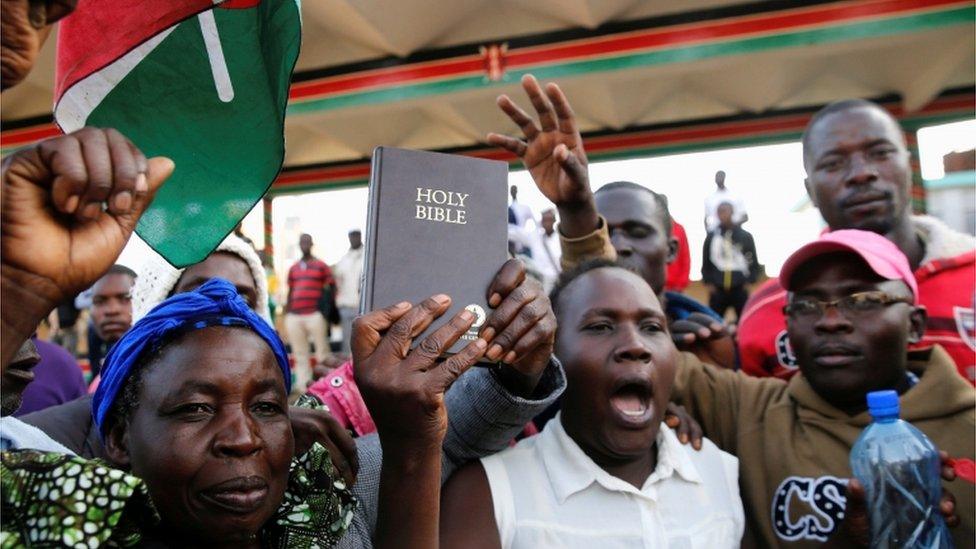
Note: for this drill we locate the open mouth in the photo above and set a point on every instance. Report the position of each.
(631, 400)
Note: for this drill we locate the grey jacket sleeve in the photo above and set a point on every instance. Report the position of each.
(482, 418)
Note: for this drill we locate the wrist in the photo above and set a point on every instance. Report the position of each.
(518, 383)
(27, 300)
(579, 218)
(409, 457)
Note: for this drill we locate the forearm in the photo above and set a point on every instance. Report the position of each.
(26, 301)
(409, 499)
(483, 416)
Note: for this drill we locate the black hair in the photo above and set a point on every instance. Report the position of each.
(121, 269)
(568, 277)
(660, 199)
(835, 107)
(128, 396)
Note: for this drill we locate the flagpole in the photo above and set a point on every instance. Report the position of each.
(215, 53)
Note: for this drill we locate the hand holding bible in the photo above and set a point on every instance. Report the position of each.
(521, 330)
(403, 388)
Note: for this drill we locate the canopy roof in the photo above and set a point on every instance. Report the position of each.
(424, 74)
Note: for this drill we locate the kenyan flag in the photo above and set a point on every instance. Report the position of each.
(202, 84)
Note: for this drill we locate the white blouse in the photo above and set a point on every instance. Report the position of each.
(547, 493)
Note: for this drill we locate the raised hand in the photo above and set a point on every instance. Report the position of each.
(403, 388)
(404, 391)
(552, 151)
(69, 205)
(521, 330)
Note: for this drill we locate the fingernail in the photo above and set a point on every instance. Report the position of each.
(495, 352)
(442, 299)
(488, 333)
(494, 300)
(92, 210)
(466, 315)
(402, 305)
(71, 204)
(480, 344)
(141, 185)
(510, 357)
(684, 439)
(122, 201)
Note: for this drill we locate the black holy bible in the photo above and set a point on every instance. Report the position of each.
(437, 224)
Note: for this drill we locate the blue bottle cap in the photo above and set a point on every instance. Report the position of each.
(883, 403)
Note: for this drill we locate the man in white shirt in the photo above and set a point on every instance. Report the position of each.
(348, 273)
(543, 244)
(603, 473)
(721, 195)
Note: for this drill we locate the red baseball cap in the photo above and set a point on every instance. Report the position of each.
(878, 252)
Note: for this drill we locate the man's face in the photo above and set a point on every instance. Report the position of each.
(858, 170)
(548, 221)
(224, 265)
(305, 244)
(846, 355)
(638, 232)
(724, 214)
(112, 306)
(620, 363)
(355, 239)
(720, 180)
(16, 376)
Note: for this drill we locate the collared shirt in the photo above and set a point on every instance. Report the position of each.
(547, 492)
(306, 282)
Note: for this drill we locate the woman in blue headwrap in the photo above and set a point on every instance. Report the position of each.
(194, 400)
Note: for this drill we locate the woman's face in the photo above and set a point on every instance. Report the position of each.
(224, 265)
(211, 436)
(620, 363)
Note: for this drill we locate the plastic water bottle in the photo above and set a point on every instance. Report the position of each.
(899, 468)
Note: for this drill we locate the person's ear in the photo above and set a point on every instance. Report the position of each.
(117, 444)
(917, 319)
(672, 249)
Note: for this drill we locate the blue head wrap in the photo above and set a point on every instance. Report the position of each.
(215, 303)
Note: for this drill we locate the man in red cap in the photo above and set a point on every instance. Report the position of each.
(859, 176)
(852, 314)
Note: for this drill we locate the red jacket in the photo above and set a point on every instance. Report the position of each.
(679, 269)
(946, 287)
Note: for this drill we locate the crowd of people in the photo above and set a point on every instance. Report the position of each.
(616, 410)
